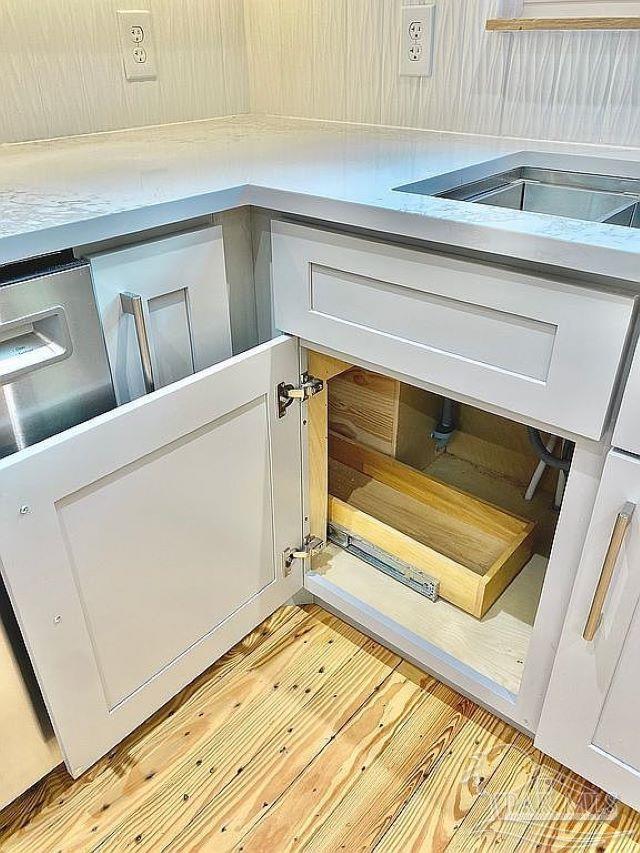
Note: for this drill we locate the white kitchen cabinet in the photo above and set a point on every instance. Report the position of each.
(141, 545)
(626, 435)
(138, 547)
(590, 716)
(528, 345)
(164, 307)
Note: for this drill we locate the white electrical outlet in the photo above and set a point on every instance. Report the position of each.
(136, 44)
(416, 46)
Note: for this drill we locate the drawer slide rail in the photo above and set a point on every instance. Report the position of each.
(392, 566)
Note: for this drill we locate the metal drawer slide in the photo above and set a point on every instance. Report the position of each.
(384, 562)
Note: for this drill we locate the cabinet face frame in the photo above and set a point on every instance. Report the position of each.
(524, 708)
(45, 578)
(576, 723)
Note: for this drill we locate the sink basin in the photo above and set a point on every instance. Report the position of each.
(576, 195)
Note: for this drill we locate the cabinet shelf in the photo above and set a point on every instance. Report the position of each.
(528, 24)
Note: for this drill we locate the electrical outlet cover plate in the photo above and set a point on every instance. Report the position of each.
(416, 46)
(136, 44)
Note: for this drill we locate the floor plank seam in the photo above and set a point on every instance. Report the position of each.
(247, 764)
(415, 793)
(319, 753)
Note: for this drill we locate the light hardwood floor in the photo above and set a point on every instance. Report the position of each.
(308, 735)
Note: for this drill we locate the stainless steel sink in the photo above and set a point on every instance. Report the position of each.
(576, 195)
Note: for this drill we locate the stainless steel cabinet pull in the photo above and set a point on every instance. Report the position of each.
(132, 304)
(613, 552)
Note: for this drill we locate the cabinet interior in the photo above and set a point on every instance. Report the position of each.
(454, 513)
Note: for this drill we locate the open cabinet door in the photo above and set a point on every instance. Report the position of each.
(140, 546)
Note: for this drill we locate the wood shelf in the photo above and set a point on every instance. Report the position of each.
(526, 24)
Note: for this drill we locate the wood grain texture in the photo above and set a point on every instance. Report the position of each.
(118, 780)
(474, 549)
(439, 530)
(443, 798)
(591, 23)
(363, 406)
(234, 810)
(366, 752)
(322, 367)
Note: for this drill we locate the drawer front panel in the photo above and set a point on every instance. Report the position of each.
(439, 324)
(533, 347)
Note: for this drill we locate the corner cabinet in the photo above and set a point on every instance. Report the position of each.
(590, 716)
(139, 547)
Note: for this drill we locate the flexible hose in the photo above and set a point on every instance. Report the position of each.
(549, 459)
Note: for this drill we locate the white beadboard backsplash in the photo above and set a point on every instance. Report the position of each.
(61, 73)
(338, 59)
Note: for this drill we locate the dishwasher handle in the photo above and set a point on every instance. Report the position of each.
(32, 342)
(132, 304)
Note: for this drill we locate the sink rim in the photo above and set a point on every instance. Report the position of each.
(584, 169)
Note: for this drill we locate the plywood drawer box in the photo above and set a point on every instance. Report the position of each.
(527, 345)
(472, 548)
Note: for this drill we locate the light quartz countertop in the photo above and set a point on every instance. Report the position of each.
(64, 193)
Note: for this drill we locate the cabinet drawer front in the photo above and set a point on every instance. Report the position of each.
(531, 346)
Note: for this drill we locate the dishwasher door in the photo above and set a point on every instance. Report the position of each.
(54, 371)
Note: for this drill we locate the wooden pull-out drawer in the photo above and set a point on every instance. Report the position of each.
(530, 346)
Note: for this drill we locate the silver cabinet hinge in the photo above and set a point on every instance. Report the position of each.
(309, 387)
(312, 545)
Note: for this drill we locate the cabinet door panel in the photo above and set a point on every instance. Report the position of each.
(589, 719)
(182, 282)
(150, 541)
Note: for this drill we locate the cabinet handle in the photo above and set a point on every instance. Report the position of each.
(132, 304)
(613, 552)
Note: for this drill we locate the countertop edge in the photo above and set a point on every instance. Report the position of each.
(493, 239)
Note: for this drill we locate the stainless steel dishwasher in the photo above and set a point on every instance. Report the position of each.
(54, 371)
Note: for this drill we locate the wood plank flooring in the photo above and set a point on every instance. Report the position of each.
(310, 736)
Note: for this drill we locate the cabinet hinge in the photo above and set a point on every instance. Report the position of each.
(309, 387)
(312, 545)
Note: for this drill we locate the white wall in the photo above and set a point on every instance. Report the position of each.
(60, 68)
(338, 59)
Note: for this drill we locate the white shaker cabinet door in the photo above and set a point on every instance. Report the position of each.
(591, 711)
(164, 307)
(139, 547)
